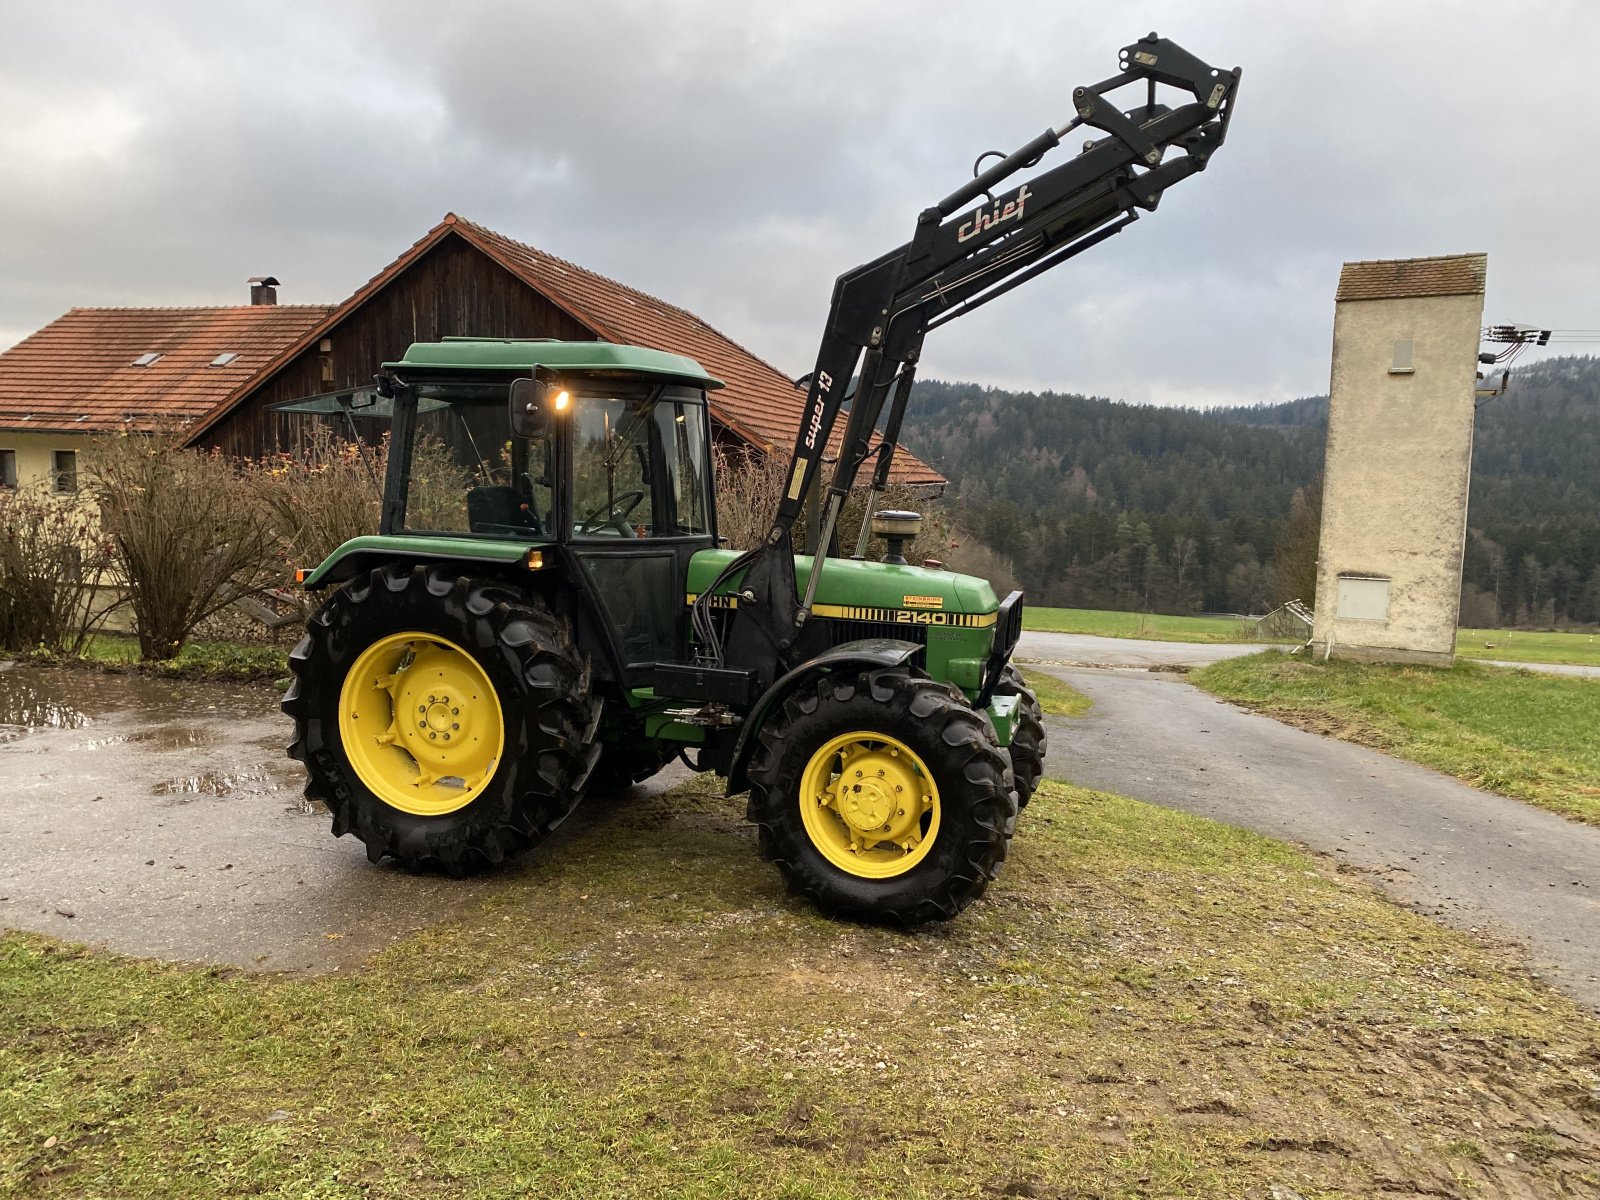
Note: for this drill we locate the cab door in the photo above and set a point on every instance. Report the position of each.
(640, 506)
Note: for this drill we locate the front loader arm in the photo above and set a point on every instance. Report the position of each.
(959, 258)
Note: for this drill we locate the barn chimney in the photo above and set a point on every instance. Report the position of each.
(263, 289)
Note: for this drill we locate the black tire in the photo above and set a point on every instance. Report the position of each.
(959, 751)
(541, 682)
(1028, 740)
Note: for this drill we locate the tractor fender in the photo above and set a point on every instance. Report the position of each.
(866, 653)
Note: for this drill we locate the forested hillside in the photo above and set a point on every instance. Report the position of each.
(1102, 504)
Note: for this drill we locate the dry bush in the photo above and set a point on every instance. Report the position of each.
(188, 533)
(437, 498)
(319, 497)
(53, 562)
(749, 488)
(330, 490)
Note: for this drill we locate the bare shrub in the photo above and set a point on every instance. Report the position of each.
(188, 534)
(749, 488)
(968, 556)
(437, 498)
(329, 490)
(319, 497)
(53, 564)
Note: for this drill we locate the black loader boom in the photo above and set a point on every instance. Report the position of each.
(962, 255)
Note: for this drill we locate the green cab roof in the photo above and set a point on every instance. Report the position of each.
(515, 354)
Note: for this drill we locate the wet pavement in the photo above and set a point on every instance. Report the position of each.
(162, 818)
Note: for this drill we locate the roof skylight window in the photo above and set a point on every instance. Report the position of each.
(149, 358)
(224, 358)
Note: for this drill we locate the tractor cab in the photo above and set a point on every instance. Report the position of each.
(572, 442)
(601, 452)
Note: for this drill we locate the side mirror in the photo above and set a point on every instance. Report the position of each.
(528, 397)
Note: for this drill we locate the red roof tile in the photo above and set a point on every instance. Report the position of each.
(77, 372)
(1409, 278)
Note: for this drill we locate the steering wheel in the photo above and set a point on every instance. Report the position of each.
(611, 514)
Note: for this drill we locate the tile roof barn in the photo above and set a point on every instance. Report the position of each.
(461, 278)
(98, 369)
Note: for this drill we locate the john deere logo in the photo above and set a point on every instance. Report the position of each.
(922, 602)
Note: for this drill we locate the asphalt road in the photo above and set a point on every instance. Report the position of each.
(1474, 860)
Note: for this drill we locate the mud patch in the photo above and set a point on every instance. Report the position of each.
(1347, 727)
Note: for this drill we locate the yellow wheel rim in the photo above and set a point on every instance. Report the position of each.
(421, 723)
(869, 805)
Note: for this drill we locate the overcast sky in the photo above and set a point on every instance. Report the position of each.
(735, 157)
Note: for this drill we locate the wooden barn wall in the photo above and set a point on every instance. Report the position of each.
(452, 289)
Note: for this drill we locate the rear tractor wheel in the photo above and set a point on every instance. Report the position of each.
(444, 721)
(882, 796)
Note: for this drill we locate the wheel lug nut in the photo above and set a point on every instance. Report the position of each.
(432, 735)
(422, 708)
(455, 712)
(457, 725)
(447, 737)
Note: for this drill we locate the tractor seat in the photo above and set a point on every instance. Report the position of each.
(501, 509)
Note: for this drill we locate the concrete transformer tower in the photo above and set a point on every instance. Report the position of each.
(1399, 458)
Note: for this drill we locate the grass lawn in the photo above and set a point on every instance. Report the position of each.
(1153, 626)
(197, 660)
(1514, 645)
(1514, 732)
(1146, 1004)
(1507, 645)
(1056, 697)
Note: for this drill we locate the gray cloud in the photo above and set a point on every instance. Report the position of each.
(735, 158)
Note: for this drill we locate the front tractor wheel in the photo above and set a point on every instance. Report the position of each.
(445, 722)
(1028, 739)
(882, 797)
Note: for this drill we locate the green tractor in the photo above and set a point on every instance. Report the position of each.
(546, 609)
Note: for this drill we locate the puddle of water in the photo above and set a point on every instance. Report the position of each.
(175, 738)
(57, 698)
(216, 783)
(307, 808)
(25, 703)
(165, 738)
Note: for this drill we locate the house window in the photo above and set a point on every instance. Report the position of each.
(1403, 361)
(8, 468)
(1363, 598)
(64, 471)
